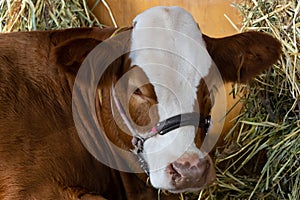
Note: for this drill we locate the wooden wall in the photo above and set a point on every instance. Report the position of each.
(208, 13)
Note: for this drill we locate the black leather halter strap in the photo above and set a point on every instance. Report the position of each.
(186, 119)
(172, 123)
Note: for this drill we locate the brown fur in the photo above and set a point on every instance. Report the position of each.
(205, 105)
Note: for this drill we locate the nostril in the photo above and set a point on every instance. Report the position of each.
(172, 170)
(184, 170)
(186, 164)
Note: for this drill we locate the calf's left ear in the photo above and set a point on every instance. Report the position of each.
(242, 56)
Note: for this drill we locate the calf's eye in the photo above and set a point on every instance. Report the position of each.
(138, 91)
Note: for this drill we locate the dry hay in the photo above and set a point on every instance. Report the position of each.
(27, 15)
(263, 162)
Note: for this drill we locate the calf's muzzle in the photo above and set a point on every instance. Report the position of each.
(191, 172)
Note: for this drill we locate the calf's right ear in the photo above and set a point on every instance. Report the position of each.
(71, 46)
(71, 53)
(242, 56)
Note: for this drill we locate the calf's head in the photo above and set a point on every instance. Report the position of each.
(175, 70)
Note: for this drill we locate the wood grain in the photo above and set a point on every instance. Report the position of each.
(208, 13)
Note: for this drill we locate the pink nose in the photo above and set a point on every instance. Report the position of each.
(191, 172)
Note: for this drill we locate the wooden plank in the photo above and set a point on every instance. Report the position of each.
(208, 13)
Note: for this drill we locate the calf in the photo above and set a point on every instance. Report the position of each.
(162, 92)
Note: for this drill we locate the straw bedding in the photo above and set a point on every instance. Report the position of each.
(263, 160)
(27, 15)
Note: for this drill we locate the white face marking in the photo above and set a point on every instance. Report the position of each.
(167, 44)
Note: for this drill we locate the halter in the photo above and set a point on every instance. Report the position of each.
(161, 128)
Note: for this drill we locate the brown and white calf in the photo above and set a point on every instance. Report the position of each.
(170, 75)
